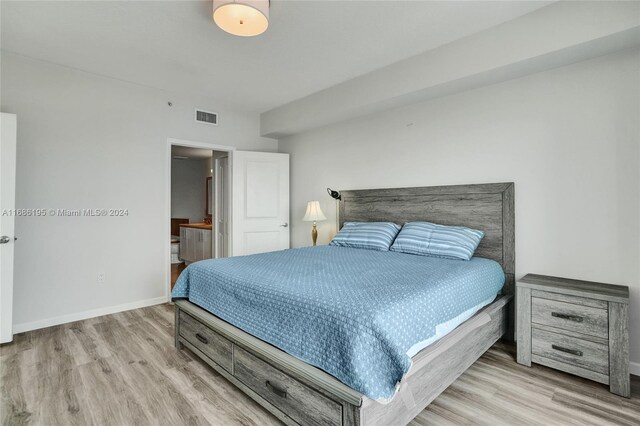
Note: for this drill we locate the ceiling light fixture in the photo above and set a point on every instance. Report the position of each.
(244, 18)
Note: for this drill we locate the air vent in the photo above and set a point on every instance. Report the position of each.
(206, 117)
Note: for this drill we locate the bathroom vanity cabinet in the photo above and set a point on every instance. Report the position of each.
(195, 242)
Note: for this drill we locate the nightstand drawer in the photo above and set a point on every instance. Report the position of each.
(582, 319)
(570, 350)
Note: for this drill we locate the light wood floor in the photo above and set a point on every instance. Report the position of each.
(122, 369)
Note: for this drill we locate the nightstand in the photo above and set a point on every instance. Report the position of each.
(578, 327)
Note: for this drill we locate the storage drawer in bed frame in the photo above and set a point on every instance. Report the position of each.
(302, 403)
(300, 394)
(288, 396)
(212, 344)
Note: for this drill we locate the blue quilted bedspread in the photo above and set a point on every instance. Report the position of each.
(352, 312)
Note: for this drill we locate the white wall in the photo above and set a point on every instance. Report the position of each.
(569, 138)
(86, 141)
(188, 188)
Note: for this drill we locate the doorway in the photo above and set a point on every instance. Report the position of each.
(199, 208)
(247, 200)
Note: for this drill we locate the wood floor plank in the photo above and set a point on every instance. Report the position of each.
(122, 369)
(217, 399)
(110, 400)
(13, 408)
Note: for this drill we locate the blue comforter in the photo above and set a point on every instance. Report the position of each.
(352, 312)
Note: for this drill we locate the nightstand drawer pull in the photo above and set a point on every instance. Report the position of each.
(202, 338)
(574, 318)
(567, 350)
(282, 393)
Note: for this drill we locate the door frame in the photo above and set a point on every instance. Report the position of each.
(228, 207)
(167, 212)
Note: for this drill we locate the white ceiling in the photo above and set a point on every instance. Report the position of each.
(175, 46)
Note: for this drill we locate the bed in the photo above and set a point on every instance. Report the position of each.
(300, 392)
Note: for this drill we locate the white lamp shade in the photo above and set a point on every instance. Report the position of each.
(242, 17)
(314, 212)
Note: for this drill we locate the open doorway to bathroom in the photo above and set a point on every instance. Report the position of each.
(200, 204)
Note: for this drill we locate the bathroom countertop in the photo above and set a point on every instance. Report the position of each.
(197, 225)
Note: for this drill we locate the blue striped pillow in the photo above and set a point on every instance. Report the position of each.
(366, 235)
(429, 239)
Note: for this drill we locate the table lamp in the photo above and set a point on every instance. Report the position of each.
(314, 214)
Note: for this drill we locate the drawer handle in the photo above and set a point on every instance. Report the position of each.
(202, 338)
(282, 393)
(567, 317)
(567, 350)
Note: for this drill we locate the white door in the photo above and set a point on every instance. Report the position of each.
(260, 217)
(222, 207)
(7, 204)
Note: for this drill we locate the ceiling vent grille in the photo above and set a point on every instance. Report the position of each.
(206, 117)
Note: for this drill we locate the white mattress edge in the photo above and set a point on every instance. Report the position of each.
(448, 326)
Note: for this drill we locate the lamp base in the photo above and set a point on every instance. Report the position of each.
(314, 233)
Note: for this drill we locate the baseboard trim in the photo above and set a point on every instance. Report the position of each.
(49, 322)
(634, 368)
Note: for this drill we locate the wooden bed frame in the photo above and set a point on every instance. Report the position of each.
(298, 393)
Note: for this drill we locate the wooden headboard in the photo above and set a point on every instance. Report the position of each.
(487, 207)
